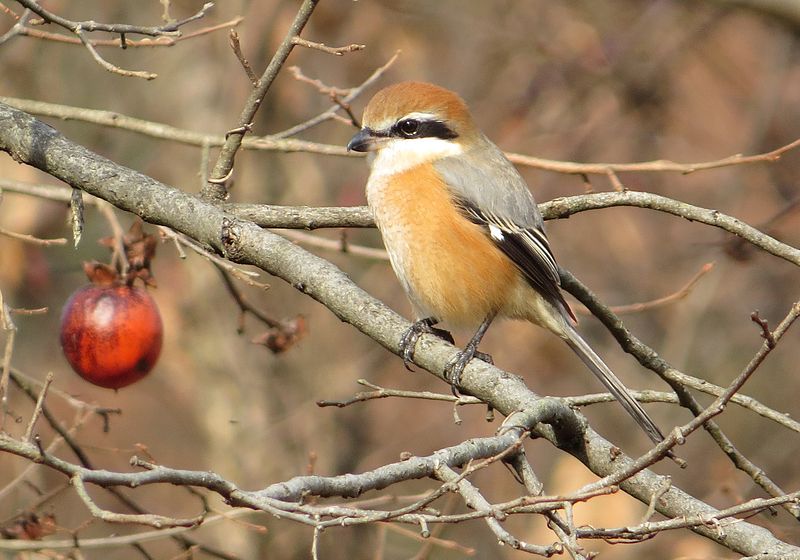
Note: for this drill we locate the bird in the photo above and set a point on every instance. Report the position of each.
(464, 235)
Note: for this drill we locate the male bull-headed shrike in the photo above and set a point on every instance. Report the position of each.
(462, 230)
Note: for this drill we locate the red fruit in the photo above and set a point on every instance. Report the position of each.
(111, 334)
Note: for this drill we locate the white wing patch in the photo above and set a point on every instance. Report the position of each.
(527, 247)
(495, 232)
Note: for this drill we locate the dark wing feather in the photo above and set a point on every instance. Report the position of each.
(528, 248)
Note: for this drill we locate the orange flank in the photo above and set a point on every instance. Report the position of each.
(444, 259)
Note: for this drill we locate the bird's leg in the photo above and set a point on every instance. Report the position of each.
(455, 367)
(408, 343)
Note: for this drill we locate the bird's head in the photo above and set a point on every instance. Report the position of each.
(414, 122)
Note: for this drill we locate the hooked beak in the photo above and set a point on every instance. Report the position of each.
(365, 140)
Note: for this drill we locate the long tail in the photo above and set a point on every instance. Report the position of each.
(612, 383)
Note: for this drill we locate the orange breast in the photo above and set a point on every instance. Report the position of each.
(448, 265)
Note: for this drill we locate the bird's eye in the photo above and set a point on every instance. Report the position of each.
(408, 127)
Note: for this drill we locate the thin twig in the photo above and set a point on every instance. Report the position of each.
(652, 361)
(85, 410)
(171, 29)
(119, 255)
(37, 409)
(715, 408)
(244, 305)
(246, 276)
(334, 245)
(430, 540)
(166, 132)
(383, 393)
(32, 239)
(152, 520)
(661, 165)
(7, 325)
(233, 39)
(315, 543)
(163, 41)
(560, 208)
(118, 541)
(333, 92)
(636, 533)
(80, 28)
(28, 312)
(55, 443)
(659, 302)
(338, 51)
(224, 165)
(79, 32)
(18, 28)
(333, 110)
(475, 500)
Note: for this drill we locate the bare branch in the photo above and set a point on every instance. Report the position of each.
(474, 499)
(611, 169)
(107, 65)
(37, 410)
(379, 392)
(659, 302)
(567, 206)
(338, 246)
(650, 528)
(246, 276)
(156, 521)
(766, 334)
(233, 37)
(66, 435)
(80, 28)
(429, 540)
(332, 111)
(32, 239)
(651, 360)
(678, 435)
(163, 41)
(224, 165)
(338, 51)
(122, 540)
(7, 325)
(171, 29)
(166, 132)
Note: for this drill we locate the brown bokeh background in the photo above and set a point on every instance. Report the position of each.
(578, 81)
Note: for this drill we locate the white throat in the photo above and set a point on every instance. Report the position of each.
(400, 155)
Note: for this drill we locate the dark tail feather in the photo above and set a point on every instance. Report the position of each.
(612, 383)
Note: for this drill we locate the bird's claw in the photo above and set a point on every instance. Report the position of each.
(407, 346)
(408, 343)
(455, 367)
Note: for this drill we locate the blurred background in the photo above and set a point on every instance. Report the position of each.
(575, 80)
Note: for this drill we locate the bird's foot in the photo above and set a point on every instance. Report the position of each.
(408, 343)
(455, 367)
